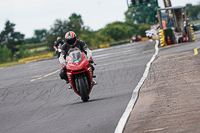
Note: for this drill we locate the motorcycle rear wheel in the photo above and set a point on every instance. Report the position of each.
(83, 90)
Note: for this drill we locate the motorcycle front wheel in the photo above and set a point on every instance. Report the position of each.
(83, 90)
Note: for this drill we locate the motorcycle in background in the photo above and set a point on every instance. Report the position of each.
(59, 50)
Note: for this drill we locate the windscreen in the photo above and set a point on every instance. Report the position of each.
(75, 56)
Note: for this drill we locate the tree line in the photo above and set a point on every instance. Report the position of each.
(137, 21)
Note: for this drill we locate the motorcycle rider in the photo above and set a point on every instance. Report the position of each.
(57, 42)
(71, 42)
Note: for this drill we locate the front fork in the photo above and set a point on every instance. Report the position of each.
(73, 76)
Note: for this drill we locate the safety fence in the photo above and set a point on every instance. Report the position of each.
(119, 43)
(36, 57)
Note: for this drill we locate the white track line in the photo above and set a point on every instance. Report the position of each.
(125, 116)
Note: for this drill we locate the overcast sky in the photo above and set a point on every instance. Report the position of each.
(29, 15)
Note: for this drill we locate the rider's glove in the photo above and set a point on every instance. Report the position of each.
(63, 66)
(91, 60)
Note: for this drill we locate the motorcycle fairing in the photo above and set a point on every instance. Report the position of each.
(79, 65)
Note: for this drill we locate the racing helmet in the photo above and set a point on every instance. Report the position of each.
(59, 38)
(183, 14)
(71, 38)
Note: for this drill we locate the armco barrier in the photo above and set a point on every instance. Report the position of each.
(36, 57)
(118, 43)
(144, 38)
(104, 46)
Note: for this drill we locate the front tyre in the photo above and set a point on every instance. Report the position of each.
(83, 90)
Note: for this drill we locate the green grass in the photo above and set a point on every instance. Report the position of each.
(34, 50)
(33, 45)
(37, 53)
(38, 49)
(7, 64)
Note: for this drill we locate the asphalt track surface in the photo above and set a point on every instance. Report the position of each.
(182, 47)
(33, 99)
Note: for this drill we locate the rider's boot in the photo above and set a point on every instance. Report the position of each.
(70, 86)
(94, 76)
(94, 82)
(67, 82)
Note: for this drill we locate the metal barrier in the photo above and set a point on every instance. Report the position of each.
(119, 43)
(104, 46)
(36, 57)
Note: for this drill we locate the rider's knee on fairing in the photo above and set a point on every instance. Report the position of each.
(63, 74)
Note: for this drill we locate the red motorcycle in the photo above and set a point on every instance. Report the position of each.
(79, 73)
